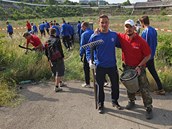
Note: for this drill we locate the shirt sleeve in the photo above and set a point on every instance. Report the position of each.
(117, 44)
(144, 35)
(82, 42)
(146, 49)
(88, 50)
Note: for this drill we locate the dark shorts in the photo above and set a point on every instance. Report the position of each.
(58, 68)
(29, 30)
(10, 33)
(42, 32)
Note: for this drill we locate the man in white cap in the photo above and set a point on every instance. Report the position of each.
(135, 54)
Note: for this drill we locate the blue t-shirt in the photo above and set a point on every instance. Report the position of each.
(57, 30)
(150, 35)
(41, 27)
(71, 30)
(34, 28)
(84, 39)
(9, 28)
(65, 30)
(78, 28)
(105, 53)
(47, 25)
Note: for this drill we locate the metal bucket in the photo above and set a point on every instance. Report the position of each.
(130, 80)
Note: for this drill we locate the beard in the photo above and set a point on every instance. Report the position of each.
(130, 34)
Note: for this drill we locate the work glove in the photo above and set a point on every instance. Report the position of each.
(91, 65)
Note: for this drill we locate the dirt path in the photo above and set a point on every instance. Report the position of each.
(74, 109)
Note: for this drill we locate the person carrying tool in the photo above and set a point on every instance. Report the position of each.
(105, 62)
(34, 40)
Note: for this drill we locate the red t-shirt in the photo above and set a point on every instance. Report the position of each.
(28, 25)
(133, 51)
(34, 40)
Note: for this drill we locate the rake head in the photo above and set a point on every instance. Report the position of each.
(93, 44)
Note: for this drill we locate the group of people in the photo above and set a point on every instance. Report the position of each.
(137, 53)
(66, 31)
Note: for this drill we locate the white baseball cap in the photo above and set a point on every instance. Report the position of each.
(130, 22)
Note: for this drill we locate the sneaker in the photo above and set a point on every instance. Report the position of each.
(86, 85)
(149, 113)
(106, 84)
(101, 109)
(131, 105)
(160, 92)
(63, 84)
(57, 89)
(116, 105)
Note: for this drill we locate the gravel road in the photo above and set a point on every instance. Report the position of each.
(74, 109)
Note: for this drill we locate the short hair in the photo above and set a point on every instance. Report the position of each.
(52, 31)
(144, 20)
(86, 24)
(103, 16)
(51, 24)
(26, 34)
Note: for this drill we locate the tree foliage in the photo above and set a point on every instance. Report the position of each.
(126, 3)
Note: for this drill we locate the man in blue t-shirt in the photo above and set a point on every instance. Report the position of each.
(57, 30)
(79, 30)
(105, 62)
(65, 35)
(150, 35)
(34, 29)
(47, 26)
(87, 32)
(42, 29)
(71, 32)
(9, 29)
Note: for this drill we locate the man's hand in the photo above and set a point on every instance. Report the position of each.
(138, 69)
(91, 65)
(96, 31)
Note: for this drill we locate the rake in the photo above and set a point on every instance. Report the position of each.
(91, 45)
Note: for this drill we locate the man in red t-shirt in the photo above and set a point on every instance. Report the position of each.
(28, 25)
(34, 40)
(135, 54)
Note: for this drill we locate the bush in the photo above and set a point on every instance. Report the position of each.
(164, 51)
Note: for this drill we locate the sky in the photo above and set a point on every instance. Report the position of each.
(118, 1)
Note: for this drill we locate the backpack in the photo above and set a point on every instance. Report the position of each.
(52, 49)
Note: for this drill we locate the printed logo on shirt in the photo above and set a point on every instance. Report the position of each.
(135, 47)
(112, 39)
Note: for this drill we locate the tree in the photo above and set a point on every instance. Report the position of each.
(126, 3)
